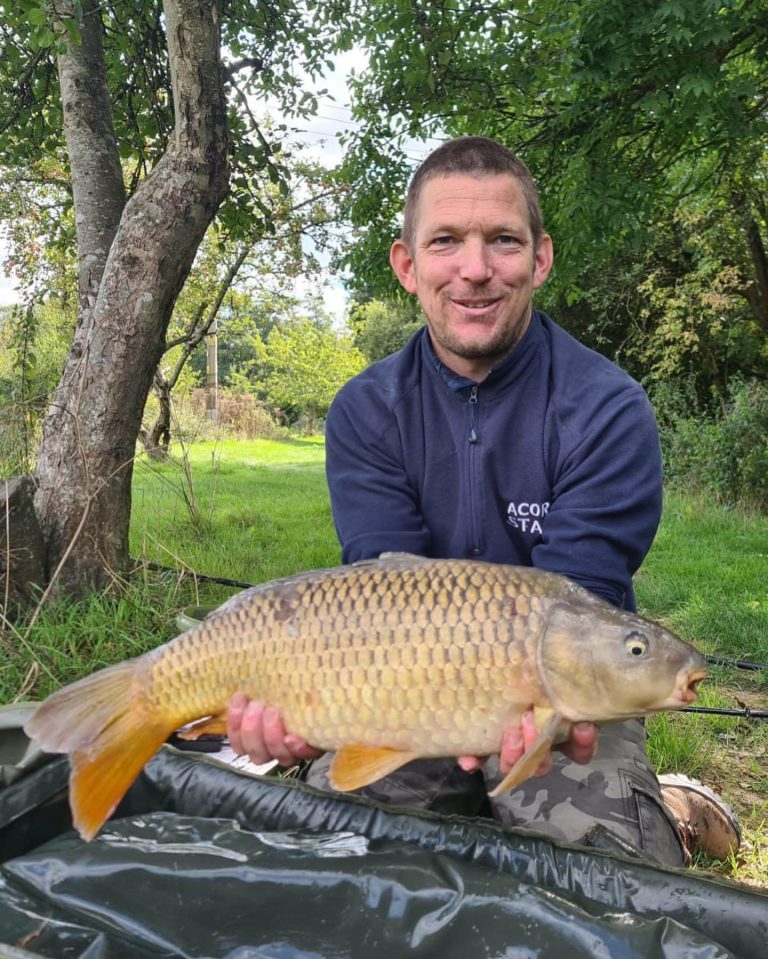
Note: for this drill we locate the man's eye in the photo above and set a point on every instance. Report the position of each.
(442, 240)
(506, 240)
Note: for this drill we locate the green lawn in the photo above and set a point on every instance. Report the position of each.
(707, 577)
(253, 511)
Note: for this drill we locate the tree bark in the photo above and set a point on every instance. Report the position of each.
(157, 441)
(21, 545)
(85, 461)
(98, 190)
(758, 295)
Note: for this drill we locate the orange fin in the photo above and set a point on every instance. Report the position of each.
(212, 726)
(355, 766)
(529, 762)
(102, 722)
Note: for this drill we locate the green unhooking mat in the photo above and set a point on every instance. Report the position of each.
(203, 861)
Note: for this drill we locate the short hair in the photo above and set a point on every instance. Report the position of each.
(477, 156)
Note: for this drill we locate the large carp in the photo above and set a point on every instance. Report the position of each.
(383, 661)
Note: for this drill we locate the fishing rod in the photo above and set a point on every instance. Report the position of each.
(190, 572)
(737, 663)
(746, 712)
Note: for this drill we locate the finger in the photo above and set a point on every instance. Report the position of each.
(470, 764)
(530, 735)
(582, 745)
(545, 766)
(274, 737)
(235, 712)
(300, 749)
(528, 721)
(252, 733)
(512, 748)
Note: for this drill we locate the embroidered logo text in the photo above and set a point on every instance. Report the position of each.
(527, 516)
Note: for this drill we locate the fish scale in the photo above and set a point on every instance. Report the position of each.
(383, 661)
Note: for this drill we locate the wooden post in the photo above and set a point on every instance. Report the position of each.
(212, 379)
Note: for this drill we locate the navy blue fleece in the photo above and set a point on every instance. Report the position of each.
(552, 461)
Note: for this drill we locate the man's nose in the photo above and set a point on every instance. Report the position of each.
(475, 266)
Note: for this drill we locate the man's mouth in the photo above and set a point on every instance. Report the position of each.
(475, 306)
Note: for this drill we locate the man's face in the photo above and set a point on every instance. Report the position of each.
(473, 267)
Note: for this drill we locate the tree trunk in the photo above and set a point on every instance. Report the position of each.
(758, 295)
(21, 545)
(157, 441)
(85, 461)
(98, 190)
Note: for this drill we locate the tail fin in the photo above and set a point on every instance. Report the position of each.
(102, 721)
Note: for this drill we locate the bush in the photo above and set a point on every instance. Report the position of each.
(241, 415)
(727, 453)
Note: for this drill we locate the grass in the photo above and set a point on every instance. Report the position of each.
(254, 511)
(706, 578)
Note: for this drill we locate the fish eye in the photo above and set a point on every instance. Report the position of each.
(636, 643)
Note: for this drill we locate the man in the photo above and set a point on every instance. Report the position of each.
(495, 435)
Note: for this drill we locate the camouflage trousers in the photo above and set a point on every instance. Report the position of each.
(614, 802)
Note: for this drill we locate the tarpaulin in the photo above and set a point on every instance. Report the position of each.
(204, 861)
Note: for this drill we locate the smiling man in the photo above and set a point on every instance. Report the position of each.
(494, 434)
(471, 256)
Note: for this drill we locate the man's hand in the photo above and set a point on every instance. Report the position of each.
(258, 731)
(581, 747)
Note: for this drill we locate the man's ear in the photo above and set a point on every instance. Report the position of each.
(543, 260)
(401, 262)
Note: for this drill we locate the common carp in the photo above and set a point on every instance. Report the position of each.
(384, 661)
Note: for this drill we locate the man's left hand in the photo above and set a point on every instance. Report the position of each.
(580, 748)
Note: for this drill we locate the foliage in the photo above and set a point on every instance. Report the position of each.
(725, 453)
(383, 327)
(678, 308)
(271, 49)
(695, 312)
(33, 344)
(39, 230)
(307, 363)
(640, 120)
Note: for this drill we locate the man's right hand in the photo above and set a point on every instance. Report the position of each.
(258, 731)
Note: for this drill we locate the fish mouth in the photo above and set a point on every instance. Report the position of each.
(686, 690)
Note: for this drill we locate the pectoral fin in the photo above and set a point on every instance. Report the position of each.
(529, 762)
(355, 766)
(212, 726)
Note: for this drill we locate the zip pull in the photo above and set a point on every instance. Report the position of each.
(473, 434)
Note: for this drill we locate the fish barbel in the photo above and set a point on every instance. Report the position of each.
(384, 661)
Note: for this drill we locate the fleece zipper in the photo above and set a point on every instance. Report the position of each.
(476, 544)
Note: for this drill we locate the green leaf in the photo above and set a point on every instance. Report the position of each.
(37, 15)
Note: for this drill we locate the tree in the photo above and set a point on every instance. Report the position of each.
(307, 363)
(382, 327)
(133, 260)
(144, 113)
